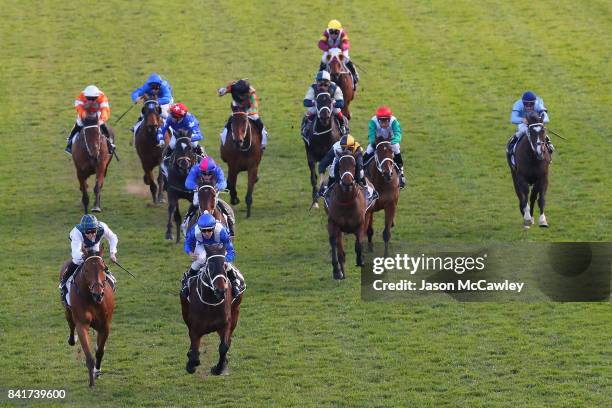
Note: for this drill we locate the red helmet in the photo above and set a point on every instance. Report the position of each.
(383, 112)
(178, 110)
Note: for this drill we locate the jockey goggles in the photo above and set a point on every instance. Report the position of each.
(207, 230)
(333, 31)
(529, 104)
(91, 231)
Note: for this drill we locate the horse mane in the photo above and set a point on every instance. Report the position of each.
(90, 119)
(533, 117)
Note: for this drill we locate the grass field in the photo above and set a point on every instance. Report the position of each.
(449, 69)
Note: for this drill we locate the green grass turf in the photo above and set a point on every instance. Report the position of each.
(449, 69)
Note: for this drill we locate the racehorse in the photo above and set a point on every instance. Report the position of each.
(208, 200)
(242, 152)
(90, 154)
(210, 308)
(148, 151)
(342, 77)
(179, 164)
(385, 177)
(532, 160)
(320, 138)
(92, 305)
(346, 212)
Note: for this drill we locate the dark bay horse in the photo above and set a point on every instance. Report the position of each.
(342, 77)
(90, 155)
(385, 177)
(242, 152)
(320, 138)
(92, 305)
(532, 160)
(181, 160)
(148, 151)
(210, 308)
(346, 213)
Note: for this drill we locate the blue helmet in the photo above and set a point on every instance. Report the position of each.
(155, 79)
(529, 97)
(88, 222)
(206, 222)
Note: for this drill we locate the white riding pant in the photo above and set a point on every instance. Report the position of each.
(173, 142)
(200, 251)
(313, 110)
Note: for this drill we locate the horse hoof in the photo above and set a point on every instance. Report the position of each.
(71, 341)
(190, 368)
(96, 209)
(235, 201)
(215, 370)
(97, 373)
(314, 205)
(526, 227)
(169, 237)
(544, 225)
(338, 275)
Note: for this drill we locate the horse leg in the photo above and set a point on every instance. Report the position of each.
(171, 208)
(177, 222)
(71, 336)
(331, 230)
(542, 187)
(313, 183)
(82, 331)
(193, 354)
(224, 345)
(84, 196)
(341, 253)
(532, 198)
(389, 215)
(522, 191)
(149, 180)
(251, 185)
(101, 341)
(160, 187)
(370, 230)
(231, 185)
(98, 190)
(359, 235)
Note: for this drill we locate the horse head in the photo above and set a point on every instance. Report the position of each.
(324, 105)
(207, 196)
(215, 267)
(183, 156)
(346, 169)
(94, 277)
(92, 135)
(241, 129)
(151, 113)
(383, 158)
(536, 134)
(335, 63)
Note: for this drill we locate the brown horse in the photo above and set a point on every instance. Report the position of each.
(532, 160)
(242, 152)
(148, 151)
(320, 138)
(384, 176)
(346, 212)
(342, 77)
(182, 158)
(92, 305)
(90, 155)
(210, 308)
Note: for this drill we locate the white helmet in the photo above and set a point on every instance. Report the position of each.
(92, 91)
(323, 76)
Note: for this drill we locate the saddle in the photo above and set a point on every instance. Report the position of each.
(204, 285)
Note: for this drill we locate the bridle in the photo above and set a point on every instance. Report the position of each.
(247, 129)
(87, 144)
(95, 284)
(185, 157)
(211, 286)
(379, 163)
(538, 129)
(321, 109)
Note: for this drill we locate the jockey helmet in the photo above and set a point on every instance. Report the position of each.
(334, 25)
(88, 223)
(178, 110)
(154, 79)
(384, 112)
(529, 97)
(347, 142)
(207, 164)
(241, 86)
(91, 91)
(323, 76)
(206, 222)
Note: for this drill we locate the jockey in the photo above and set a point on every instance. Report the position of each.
(244, 98)
(154, 87)
(91, 100)
(323, 84)
(208, 231)
(346, 143)
(208, 172)
(336, 37)
(384, 125)
(87, 235)
(179, 119)
(529, 102)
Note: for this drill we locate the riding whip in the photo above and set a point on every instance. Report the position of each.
(120, 266)
(556, 134)
(124, 113)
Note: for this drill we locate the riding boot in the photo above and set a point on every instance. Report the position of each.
(185, 289)
(75, 130)
(353, 70)
(367, 156)
(322, 66)
(192, 210)
(62, 286)
(261, 128)
(343, 123)
(510, 150)
(399, 162)
(326, 186)
(550, 147)
(228, 217)
(231, 275)
(109, 139)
